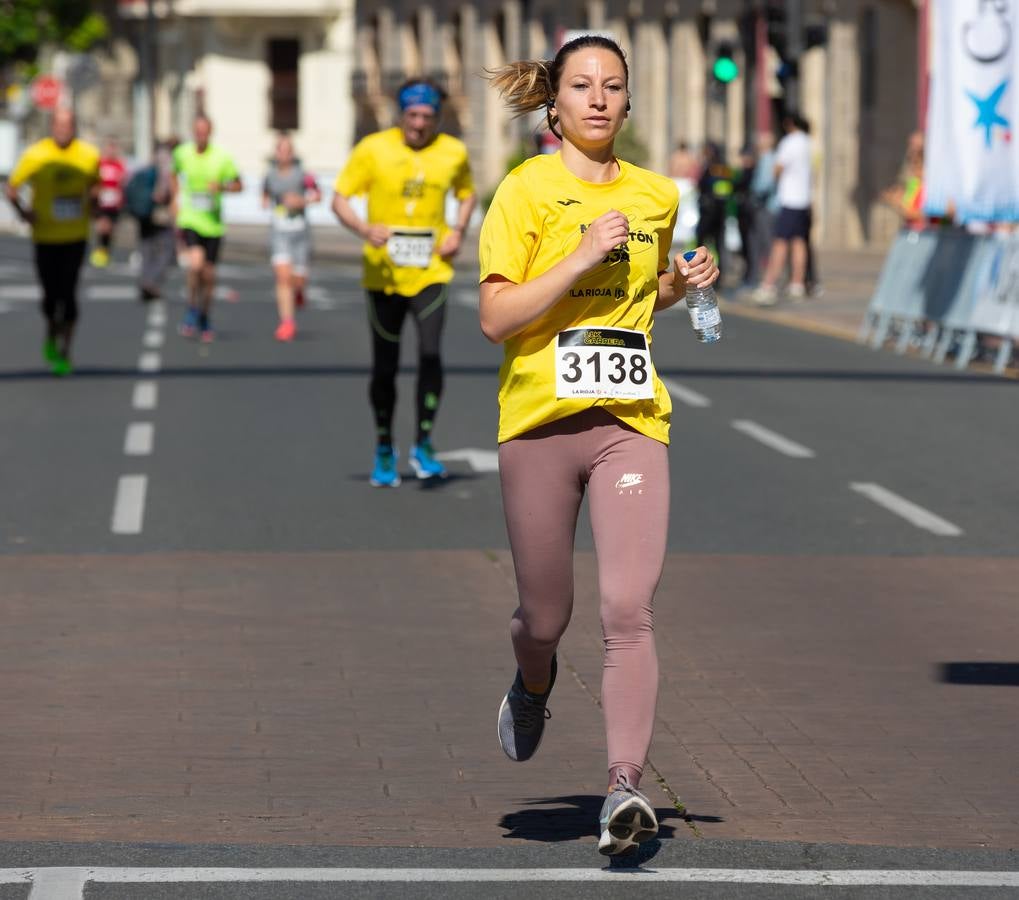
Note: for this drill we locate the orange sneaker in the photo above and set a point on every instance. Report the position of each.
(286, 330)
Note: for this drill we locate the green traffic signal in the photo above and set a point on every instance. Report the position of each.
(725, 69)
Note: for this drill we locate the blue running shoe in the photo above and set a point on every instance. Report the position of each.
(424, 463)
(384, 472)
(189, 326)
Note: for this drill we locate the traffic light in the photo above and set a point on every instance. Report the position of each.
(724, 67)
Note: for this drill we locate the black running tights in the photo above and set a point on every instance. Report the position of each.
(386, 313)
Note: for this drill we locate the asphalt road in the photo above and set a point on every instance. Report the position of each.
(257, 445)
(787, 447)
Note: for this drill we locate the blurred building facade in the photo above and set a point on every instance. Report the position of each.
(857, 87)
(327, 71)
(255, 67)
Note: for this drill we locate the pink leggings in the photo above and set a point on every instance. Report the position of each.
(544, 474)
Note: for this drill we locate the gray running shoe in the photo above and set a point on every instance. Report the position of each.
(626, 820)
(522, 718)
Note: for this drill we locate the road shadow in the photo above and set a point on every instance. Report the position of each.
(569, 818)
(425, 484)
(999, 674)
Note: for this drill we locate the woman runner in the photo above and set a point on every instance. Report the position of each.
(574, 259)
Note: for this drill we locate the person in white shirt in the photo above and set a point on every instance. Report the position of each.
(792, 224)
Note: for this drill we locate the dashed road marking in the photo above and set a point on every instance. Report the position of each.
(157, 317)
(911, 512)
(772, 439)
(129, 504)
(145, 396)
(111, 292)
(139, 439)
(153, 339)
(150, 362)
(478, 460)
(685, 395)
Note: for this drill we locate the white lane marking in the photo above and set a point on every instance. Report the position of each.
(772, 439)
(20, 292)
(153, 339)
(157, 317)
(111, 292)
(685, 395)
(58, 884)
(146, 395)
(150, 362)
(69, 884)
(916, 515)
(139, 438)
(468, 298)
(478, 460)
(129, 504)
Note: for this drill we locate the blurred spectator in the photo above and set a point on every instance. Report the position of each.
(714, 189)
(109, 201)
(792, 224)
(764, 200)
(746, 213)
(683, 163)
(908, 194)
(148, 197)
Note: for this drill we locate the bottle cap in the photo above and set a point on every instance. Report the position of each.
(690, 254)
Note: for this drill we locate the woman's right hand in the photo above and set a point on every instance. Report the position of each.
(603, 235)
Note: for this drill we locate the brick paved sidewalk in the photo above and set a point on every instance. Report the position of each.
(350, 698)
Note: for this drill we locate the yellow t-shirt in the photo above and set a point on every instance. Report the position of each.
(537, 217)
(406, 187)
(61, 180)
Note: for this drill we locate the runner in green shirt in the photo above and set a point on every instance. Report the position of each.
(202, 172)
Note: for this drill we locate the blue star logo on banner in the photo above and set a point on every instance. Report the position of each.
(987, 111)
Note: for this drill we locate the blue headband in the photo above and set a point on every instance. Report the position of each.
(419, 94)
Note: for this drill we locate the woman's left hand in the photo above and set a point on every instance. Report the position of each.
(700, 271)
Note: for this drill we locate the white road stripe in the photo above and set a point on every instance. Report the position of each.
(111, 292)
(917, 515)
(685, 395)
(129, 505)
(146, 395)
(771, 439)
(153, 338)
(69, 883)
(157, 317)
(139, 438)
(20, 292)
(150, 362)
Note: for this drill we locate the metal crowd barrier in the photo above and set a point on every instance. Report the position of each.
(944, 288)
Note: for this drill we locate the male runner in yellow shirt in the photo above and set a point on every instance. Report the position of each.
(62, 172)
(406, 173)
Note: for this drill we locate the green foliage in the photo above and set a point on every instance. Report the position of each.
(630, 147)
(25, 25)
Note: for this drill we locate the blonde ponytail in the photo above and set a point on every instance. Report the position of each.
(524, 86)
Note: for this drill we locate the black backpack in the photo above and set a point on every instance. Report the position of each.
(138, 193)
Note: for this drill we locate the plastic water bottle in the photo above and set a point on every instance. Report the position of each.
(703, 307)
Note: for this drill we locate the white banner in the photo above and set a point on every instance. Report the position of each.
(972, 161)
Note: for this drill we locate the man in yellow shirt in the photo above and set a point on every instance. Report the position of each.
(406, 173)
(62, 172)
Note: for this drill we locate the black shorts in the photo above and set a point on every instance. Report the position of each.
(111, 214)
(209, 244)
(792, 223)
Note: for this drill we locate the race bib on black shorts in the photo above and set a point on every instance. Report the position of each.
(603, 362)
